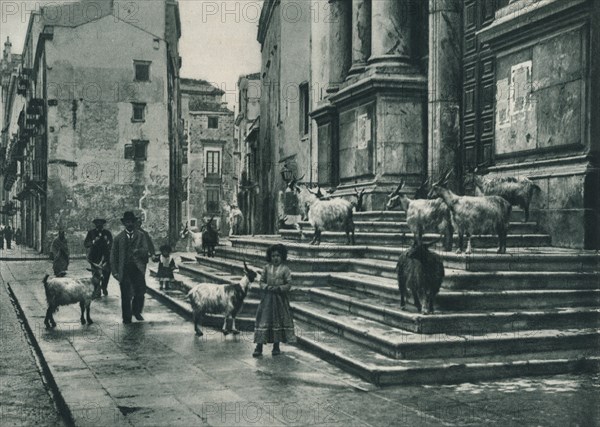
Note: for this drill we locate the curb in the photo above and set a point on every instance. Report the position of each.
(46, 373)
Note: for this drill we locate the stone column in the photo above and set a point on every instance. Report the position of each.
(445, 86)
(361, 35)
(391, 33)
(340, 39)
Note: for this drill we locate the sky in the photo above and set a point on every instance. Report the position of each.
(218, 41)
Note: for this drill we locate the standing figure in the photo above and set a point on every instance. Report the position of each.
(1, 236)
(128, 259)
(98, 242)
(274, 322)
(166, 266)
(60, 254)
(8, 235)
(18, 236)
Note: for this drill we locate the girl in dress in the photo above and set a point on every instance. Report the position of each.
(274, 322)
(166, 266)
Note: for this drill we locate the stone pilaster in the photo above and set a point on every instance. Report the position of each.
(444, 85)
(361, 36)
(391, 34)
(340, 42)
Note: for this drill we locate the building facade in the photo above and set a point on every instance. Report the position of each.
(247, 120)
(209, 167)
(404, 89)
(99, 132)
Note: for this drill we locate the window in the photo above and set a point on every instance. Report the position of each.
(139, 112)
(142, 71)
(137, 150)
(213, 123)
(212, 201)
(304, 109)
(213, 162)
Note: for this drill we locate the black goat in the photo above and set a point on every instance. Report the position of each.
(210, 238)
(423, 271)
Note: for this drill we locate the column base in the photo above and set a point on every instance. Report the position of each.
(356, 70)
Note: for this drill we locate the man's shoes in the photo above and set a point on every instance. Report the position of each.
(257, 351)
(105, 292)
(127, 322)
(139, 317)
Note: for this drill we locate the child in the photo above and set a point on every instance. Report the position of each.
(274, 323)
(166, 266)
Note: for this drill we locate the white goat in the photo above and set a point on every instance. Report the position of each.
(424, 215)
(195, 238)
(212, 298)
(476, 215)
(334, 214)
(67, 290)
(517, 191)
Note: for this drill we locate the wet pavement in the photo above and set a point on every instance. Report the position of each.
(24, 397)
(158, 372)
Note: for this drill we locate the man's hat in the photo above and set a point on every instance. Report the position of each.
(128, 216)
(99, 221)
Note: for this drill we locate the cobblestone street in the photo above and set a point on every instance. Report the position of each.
(158, 373)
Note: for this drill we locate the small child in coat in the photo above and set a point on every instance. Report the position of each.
(166, 266)
(274, 322)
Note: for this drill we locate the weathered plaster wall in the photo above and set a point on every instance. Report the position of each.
(201, 138)
(93, 85)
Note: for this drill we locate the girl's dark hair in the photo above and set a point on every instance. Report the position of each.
(281, 249)
(165, 248)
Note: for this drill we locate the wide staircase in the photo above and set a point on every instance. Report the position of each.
(532, 311)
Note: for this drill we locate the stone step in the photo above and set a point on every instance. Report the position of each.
(401, 344)
(516, 228)
(517, 215)
(387, 310)
(406, 239)
(381, 370)
(458, 280)
(516, 259)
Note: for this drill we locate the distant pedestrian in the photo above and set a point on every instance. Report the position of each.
(166, 266)
(98, 242)
(128, 259)
(1, 236)
(274, 322)
(18, 236)
(60, 254)
(8, 235)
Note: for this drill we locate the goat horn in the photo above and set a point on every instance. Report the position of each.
(246, 266)
(397, 190)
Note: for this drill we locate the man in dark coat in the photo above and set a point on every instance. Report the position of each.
(98, 242)
(8, 235)
(1, 236)
(128, 259)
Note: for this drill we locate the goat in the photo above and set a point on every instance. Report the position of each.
(423, 271)
(212, 298)
(334, 214)
(358, 204)
(516, 191)
(210, 239)
(476, 215)
(66, 291)
(195, 237)
(422, 215)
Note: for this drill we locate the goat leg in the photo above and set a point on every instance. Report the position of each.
(234, 330)
(224, 329)
(47, 320)
(82, 306)
(197, 329)
(87, 314)
(416, 300)
(469, 248)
